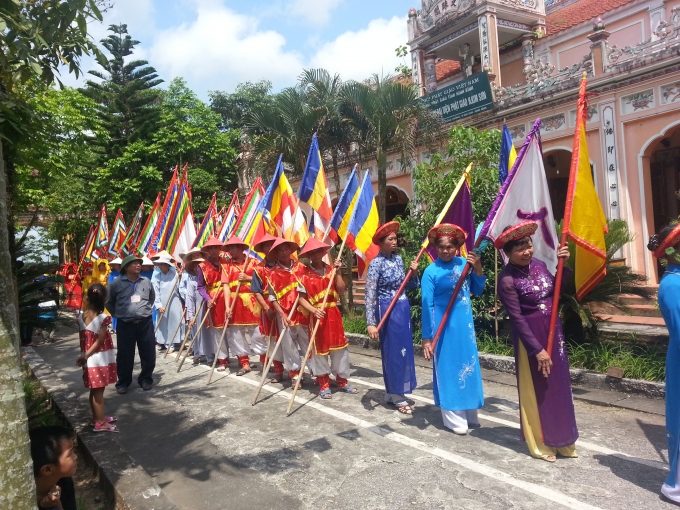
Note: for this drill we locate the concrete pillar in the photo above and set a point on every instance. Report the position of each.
(488, 43)
(418, 71)
(430, 73)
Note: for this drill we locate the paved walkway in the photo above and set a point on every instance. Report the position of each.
(208, 448)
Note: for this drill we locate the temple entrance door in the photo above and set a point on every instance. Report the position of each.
(396, 202)
(557, 164)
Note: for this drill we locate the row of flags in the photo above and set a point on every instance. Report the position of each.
(276, 210)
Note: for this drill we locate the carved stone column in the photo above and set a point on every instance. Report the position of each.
(430, 73)
(527, 53)
(418, 71)
(488, 44)
(598, 47)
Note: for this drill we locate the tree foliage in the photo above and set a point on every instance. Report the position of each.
(433, 183)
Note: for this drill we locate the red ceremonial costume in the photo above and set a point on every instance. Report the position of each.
(246, 310)
(212, 278)
(74, 291)
(330, 335)
(267, 327)
(285, 283)
(100, 369)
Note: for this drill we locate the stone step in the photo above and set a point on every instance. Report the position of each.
(631, 299)
(627, 328)
(640, 309)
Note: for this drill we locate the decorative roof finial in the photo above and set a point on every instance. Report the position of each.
(598, 25)
(412, 13)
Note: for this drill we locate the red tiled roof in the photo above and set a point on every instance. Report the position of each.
(578, 12)
(446, 69)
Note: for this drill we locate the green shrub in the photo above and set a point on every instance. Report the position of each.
(355, 324)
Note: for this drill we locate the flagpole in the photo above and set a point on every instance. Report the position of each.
(181, 348)
(580, 110)
(312, 338)
(495, 292)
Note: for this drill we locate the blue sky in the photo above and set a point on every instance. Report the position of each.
(216, 44)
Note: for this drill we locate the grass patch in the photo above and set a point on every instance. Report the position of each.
(487, 344)
(646, 362)
(355, 324)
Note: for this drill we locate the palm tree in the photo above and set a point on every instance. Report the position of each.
(286, 127)
(387, 116)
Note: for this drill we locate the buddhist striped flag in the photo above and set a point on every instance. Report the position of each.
(230, 218)
(363, 226)
(249, 227)
(314, 191)
(207, 228)
(142, 245)
(133, 231)
(118, 234)
(102, 234)
(283, 209)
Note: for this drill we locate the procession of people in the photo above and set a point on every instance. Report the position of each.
(264, 291)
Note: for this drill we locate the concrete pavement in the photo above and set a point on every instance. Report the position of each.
(207, 447)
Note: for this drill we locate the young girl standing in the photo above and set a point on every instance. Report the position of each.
(97, 356)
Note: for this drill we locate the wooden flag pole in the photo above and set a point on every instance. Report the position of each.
(177, 279)
(463, 275)
(205, 317)
(191, 344)
(573, 171)
(495, 292)
(312, 338)
(265, 372)
(383, 319)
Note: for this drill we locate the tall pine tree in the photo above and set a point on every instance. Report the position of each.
(127, 97)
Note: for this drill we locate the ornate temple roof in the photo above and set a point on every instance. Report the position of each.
(572, 14)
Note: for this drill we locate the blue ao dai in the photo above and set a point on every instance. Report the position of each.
(457, 378)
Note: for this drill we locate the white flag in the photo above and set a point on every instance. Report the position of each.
(186, 237)
(527, 197)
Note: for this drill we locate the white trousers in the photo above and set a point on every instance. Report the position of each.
(237, 338)
(335, 362)
(459, 419)
(294, 341)
(672, 493)
(211, 337)
(258, 342)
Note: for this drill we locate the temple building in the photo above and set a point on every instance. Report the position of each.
(485, 62)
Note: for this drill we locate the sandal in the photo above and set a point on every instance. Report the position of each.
(278, 378)
(405, 409)
(549, 458)
(107, 419)
(105, 427)
(243, 371)
(348, 389)
(325, 394)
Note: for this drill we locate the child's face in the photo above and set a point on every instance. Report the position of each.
(67, 462)
(283, 253)
(316, 257)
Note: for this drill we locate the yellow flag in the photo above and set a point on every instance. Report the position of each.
(584, 217)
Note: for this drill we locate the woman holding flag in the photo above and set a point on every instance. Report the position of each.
(665, 245)
(385, 274)
(525, 287)
(457, 377)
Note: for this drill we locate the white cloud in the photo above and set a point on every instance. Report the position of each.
(315, 12)
(358, 55)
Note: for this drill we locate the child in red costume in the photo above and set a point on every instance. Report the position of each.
(243, 333)
(284, 288)
(329, 354)
(259, 285)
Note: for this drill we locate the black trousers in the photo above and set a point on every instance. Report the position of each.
(140, 333)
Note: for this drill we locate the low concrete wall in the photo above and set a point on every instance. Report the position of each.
(131, 486)
(583, 378)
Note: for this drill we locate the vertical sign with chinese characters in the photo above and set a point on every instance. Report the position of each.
(462, 99)
(611, 173)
